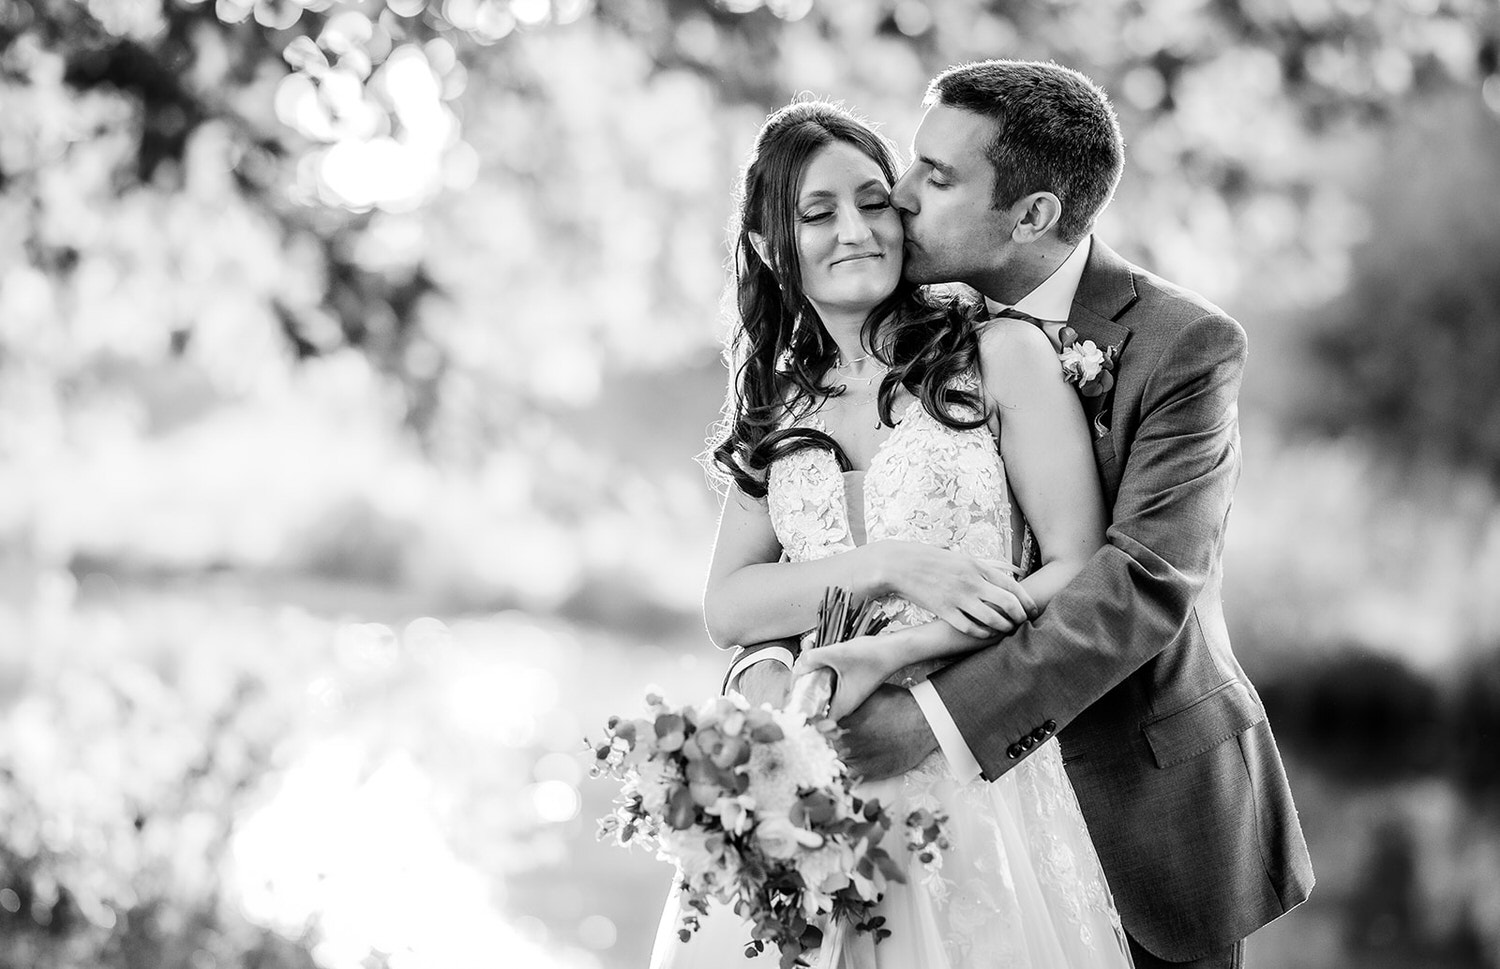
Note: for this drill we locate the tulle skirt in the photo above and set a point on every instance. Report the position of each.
(1020, 888)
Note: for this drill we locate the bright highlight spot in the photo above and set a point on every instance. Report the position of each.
(531, 12)
(555, 801)
(597, 932)
(364, 861)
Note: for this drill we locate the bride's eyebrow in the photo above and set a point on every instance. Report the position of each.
(823, 193)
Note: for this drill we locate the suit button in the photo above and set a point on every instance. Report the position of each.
(1050, 726)
(1028, 742)
(1040, 734)
(1013, 751)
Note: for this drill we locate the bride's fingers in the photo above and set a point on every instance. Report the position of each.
(960, 618)
(1007, 597)
(1011, 585)
(981, 621)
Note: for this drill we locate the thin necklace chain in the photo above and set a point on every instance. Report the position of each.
(843, 364)
(880, 368)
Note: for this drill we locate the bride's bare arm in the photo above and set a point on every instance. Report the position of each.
(1049, 458)
(752, 597)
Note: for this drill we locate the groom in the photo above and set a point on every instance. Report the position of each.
(1164, 737)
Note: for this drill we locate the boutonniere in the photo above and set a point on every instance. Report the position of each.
(1085, 365)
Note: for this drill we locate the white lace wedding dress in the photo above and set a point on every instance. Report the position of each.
(1021, 887)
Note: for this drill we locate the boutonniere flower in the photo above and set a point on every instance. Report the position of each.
(1085, 365)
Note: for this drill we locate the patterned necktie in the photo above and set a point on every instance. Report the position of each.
(1015, 314)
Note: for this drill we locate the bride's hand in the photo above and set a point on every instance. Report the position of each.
(978, 597)
(859, 666)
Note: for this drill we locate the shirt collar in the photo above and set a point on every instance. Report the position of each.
(1052, 299)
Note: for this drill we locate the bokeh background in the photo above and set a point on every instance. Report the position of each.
(354, 362)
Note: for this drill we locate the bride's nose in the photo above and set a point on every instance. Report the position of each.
(853, 227)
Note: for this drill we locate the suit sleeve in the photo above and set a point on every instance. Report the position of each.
(1136, 593)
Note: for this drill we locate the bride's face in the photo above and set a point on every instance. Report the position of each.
(849, 237)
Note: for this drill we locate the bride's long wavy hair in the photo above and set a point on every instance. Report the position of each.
(778, 353)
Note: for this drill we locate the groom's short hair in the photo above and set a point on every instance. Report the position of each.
(1055, 132)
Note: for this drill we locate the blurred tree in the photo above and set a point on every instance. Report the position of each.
(307, 138)
(1410, 350)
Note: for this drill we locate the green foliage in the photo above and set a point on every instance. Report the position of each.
(319, 167)
(1410, 350)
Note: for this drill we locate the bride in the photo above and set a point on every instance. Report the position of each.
(883, 441)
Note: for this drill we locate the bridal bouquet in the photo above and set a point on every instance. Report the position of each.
(755, 809)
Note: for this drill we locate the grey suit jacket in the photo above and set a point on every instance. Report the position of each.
(1163, 735)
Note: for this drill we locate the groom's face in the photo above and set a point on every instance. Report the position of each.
(946, 199)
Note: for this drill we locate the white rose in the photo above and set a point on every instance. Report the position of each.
(1083, 361)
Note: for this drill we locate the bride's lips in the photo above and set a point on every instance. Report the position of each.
(862, 255)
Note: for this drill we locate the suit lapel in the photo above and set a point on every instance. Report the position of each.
(1105, 291)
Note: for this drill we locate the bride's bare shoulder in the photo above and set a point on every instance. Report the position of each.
(1014, 352)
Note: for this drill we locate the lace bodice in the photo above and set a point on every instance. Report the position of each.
(927, 483)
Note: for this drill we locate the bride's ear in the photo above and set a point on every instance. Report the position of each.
(758, 243)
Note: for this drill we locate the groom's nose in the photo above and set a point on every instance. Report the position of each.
(902, 195)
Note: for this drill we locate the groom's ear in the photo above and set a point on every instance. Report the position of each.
(1035, 214)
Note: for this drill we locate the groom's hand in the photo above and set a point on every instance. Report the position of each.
(887, 735)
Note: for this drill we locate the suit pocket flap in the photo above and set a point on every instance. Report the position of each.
(1226, 712)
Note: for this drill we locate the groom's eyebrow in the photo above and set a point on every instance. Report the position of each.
(942, 169)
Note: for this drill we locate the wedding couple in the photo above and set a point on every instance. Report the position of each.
(1037, 486)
